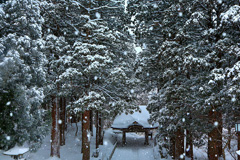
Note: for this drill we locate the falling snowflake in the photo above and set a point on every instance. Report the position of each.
(233, 99)
(98, 15)
(59, 121)
(181, 156)
(180, 14)
(132, 91)
(8, 138)
(183, 119)
(95, 78)
(11, 114)
(215, 123)
(76, 32)
(105, 143)
(8, 103)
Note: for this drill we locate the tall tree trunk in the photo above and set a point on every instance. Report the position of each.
(189, 149)
(55, 141)
(215, 136)
(179, 144)
(91, 122)
(82, 132)
(172, 147)
(100, 129)
(97, 131)
(219, 141)
(86, 135)
(62, 119)
(229, 137)
(65, 106)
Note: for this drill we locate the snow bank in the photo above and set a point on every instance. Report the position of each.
(16, 151)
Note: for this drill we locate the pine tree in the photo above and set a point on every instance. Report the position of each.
(22, 74)
(190, 66)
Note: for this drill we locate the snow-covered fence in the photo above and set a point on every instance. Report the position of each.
(114, 148)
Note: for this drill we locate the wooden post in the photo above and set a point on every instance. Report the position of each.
(86, 135)
(124, 138)
(55, 141)
(146, 138)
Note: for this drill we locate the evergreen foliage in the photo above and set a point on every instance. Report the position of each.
(22, 75)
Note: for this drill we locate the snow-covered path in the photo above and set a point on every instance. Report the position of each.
(134, 149)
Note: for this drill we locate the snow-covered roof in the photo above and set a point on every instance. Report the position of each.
(125, 120)
(16, 151)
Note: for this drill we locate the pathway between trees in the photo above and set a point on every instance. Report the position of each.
(134, 149)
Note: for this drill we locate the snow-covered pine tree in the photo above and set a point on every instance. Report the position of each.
(22, 74)
(196, 56)
(161, 68)
(216, 43)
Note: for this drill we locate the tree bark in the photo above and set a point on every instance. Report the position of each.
(172, 147)
(86, 135)
(91, 122)
(65, 106)
(189, 149)
(179, 145)
(82, 132)
(55, 141)
(100, 129)
(215, 137)
(219, 141)
(97, 131)
(62, 118)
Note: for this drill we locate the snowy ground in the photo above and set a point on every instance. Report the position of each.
(72, 149)
(134, 149)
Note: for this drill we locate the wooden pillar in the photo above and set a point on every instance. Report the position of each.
(146, 138)
(124, 138)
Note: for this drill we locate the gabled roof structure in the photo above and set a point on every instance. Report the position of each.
(136, 122)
